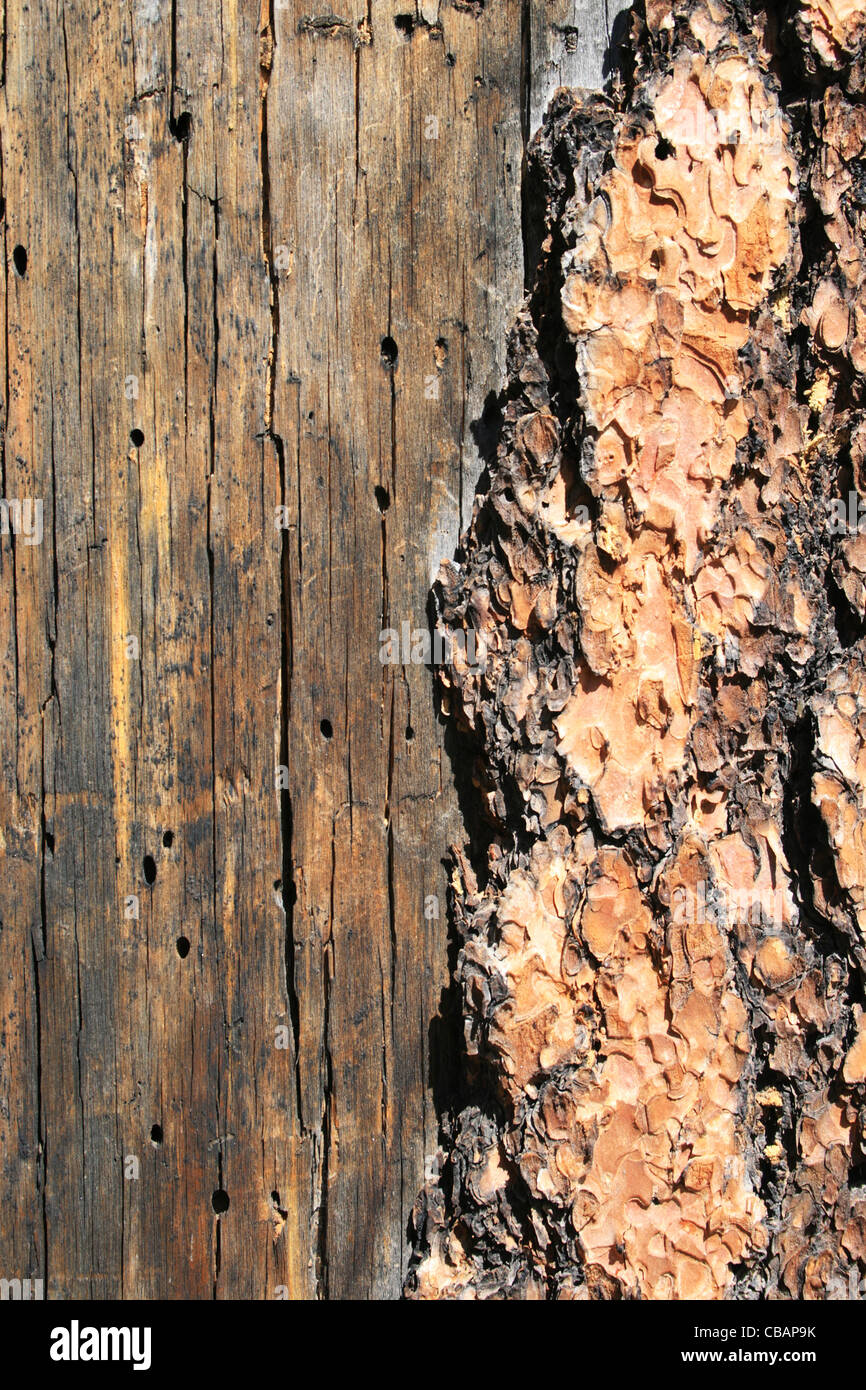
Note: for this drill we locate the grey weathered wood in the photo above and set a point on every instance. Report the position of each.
(569, 43)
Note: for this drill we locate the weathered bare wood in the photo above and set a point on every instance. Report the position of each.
(213, 983)
(569, 43)
(401, 262)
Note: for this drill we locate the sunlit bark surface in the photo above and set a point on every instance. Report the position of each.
(661, 912)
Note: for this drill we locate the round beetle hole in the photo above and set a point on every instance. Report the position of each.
(181, 126)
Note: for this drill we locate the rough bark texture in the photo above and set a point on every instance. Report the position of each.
(213, 215)
(663, 926)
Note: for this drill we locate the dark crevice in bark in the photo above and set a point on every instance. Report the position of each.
(807, 849)
(850, 625)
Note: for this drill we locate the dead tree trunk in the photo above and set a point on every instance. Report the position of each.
(659, 620)
(259, 263)
(260, 266)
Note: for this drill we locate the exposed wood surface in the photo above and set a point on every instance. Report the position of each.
(211, 984)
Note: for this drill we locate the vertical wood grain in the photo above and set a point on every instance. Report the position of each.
(210, 983)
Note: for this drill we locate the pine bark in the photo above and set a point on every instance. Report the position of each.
(659, 614)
